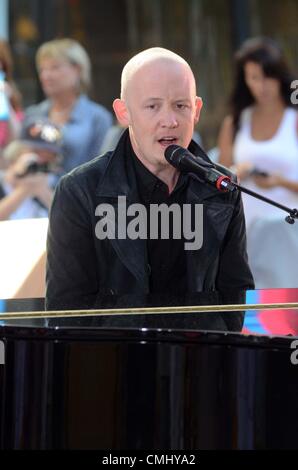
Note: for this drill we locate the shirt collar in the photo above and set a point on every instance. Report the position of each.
(148, 182)
(79, 109)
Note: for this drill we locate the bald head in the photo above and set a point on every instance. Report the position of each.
(148, 57)
(158, 105)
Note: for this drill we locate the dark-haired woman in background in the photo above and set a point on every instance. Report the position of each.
(259, 139)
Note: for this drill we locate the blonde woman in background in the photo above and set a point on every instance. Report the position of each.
(64, 70)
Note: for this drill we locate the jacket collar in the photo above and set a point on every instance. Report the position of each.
(118, 178)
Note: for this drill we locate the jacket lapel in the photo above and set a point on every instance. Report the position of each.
(119, 180)
(202, 264)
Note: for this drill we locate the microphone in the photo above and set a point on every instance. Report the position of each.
(186, 162)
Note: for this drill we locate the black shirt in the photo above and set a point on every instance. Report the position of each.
(166, 257)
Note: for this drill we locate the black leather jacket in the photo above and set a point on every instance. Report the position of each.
(81, 269)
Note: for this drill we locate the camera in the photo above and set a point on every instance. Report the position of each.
(257, 172)
(34, 167)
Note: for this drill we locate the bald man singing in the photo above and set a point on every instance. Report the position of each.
(128, 224)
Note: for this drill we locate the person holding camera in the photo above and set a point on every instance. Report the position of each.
(26, 186)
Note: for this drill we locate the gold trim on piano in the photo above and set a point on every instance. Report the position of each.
(147, 310)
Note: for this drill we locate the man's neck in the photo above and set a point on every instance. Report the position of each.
(166, 173)
(169, 177)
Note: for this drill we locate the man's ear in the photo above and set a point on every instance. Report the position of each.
(199, 105)
(121, 112)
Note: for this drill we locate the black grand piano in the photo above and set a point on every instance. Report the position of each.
(150, 381)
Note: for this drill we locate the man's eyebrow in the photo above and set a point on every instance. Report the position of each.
(152, 98)
(179, 100)
(184, 100)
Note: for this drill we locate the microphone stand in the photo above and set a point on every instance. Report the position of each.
(293, 213)
(217, 175)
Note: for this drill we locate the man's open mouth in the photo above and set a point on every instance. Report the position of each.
(165, 141)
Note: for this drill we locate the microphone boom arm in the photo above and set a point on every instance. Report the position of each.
(217, 175)
(293, 213)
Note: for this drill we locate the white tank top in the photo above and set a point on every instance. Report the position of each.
(276, 155)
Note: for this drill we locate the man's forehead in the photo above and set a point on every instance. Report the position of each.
(152, 60)
(158, 64)
(161, 73)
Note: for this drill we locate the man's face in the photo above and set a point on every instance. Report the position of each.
(162, 109)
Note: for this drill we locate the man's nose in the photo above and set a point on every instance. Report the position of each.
(169, 119)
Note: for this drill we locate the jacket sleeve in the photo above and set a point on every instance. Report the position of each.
(234, 274)
(71, 273)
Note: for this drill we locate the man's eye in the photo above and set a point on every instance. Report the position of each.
(181, 106)
(151, 106)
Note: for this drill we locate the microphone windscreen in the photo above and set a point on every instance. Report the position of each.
(173, 154)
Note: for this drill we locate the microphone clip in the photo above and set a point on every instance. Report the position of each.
(221, 182)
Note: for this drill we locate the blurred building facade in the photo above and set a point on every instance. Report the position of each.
(205, 32)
